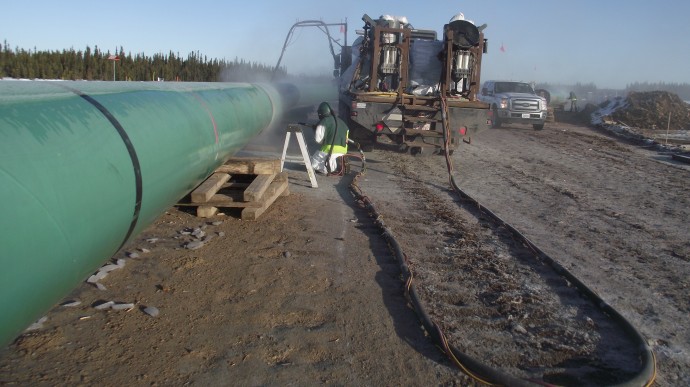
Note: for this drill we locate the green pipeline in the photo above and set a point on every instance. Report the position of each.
(86, 166)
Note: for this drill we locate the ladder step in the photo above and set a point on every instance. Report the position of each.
(426, 133)
(421, 107)
(420, 119)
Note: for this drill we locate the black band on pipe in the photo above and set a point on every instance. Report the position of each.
(132, 155)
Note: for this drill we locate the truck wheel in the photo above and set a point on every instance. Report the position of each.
(538, 126)
(495, 121)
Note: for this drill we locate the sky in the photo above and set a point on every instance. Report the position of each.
(609, 43)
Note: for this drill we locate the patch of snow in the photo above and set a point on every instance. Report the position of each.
(614, 104)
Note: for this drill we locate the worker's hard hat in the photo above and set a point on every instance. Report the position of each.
(324, 110)
(460, 16)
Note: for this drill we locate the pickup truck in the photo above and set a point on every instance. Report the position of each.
(514, 102)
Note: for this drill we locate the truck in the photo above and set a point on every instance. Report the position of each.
(515, 102)
(408, 89)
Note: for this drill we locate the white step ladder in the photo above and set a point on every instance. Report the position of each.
(292, 128)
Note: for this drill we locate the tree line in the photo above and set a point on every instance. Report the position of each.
(95, 64)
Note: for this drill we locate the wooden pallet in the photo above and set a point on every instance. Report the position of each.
(252, 184)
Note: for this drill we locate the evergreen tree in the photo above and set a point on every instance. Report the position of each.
(93, 64)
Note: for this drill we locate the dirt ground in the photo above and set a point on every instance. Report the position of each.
(311, 294)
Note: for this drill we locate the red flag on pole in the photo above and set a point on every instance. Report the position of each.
(113, 57)
(503, 49)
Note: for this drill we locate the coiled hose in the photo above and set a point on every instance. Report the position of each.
(473, 368)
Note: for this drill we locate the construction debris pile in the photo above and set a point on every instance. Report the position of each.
(647, 110)
(654, 118)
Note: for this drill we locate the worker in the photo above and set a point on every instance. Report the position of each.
(332, 134)
(573, 102)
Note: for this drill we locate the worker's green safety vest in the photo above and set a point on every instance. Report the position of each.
(340, 143)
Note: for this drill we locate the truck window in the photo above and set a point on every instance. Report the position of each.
(513, 87)
(523, 88)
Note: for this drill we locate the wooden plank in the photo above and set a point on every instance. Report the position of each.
(230, 200)
(257, 188)
(229, 196)
(249, 166)
(209, 187)
(234, 200)
(283, 176)
(206, 211)
(286, 192)
(275, 190)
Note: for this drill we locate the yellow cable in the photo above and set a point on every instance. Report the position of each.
(457, 362)
(651, 381)
(444, 341)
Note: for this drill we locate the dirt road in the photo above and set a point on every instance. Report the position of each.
(310, 293)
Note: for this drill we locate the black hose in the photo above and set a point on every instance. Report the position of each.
(470, 366)
(473, 368)
(647, 374)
